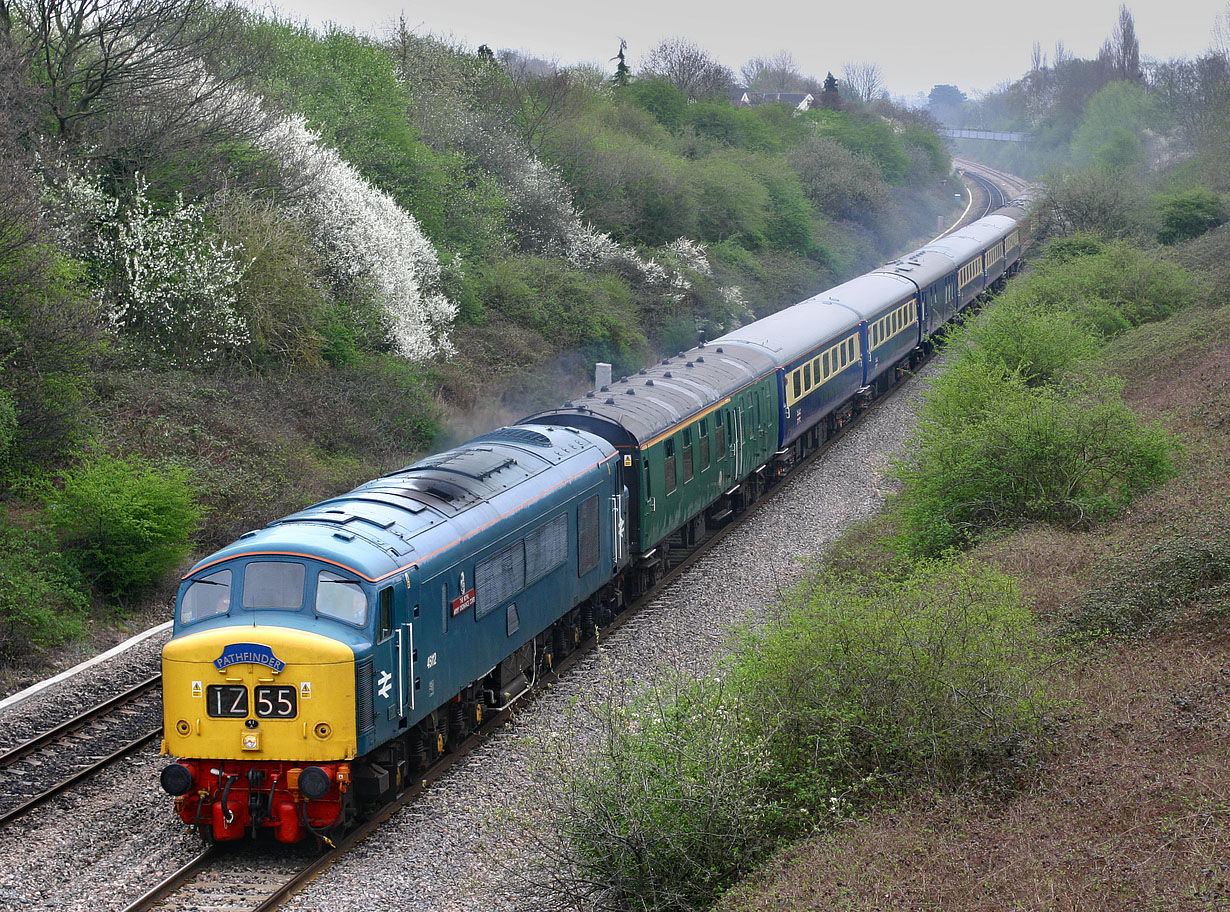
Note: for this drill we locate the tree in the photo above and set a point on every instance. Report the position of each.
(94, 56)
(947, 104)
(779, 73)
(1121, 51)
(539, 94)
(688, 68)
(865, 79)
(830, 95)
(622, 70)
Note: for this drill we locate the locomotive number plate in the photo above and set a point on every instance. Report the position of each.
(277, 701)
(227, 701)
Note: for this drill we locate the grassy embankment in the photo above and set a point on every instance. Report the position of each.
(1130, 804)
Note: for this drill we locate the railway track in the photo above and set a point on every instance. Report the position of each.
(215, 880)
(37, 770)
(247, 877)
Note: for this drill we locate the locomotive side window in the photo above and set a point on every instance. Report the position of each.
(386, 613)
(273, 584)
(207, 597)
(341, 598)
(589, 546)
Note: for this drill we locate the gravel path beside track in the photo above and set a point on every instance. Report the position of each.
(99, 846)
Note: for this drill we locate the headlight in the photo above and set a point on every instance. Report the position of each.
(176, 780)
(314, 782)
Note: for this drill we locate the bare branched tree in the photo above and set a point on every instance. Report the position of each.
(688, 68)
(1221, 33)
(865, 79)
(94, 56)
(779, 73)
(1121, 51)
(538, 94)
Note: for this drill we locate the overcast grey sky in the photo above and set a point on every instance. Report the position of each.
(974, 44)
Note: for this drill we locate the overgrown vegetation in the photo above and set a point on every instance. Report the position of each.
(281, 257)
(858, 689)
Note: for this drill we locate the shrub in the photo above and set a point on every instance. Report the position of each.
(858, 687)
(126, 523)
(1039, 347)
(1189, 214)
(992, 452)
(41, 599)
(927, 676)
(1110, 290)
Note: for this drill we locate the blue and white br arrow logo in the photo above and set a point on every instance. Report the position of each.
(386, 684)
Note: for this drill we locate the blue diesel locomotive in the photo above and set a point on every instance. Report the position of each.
(318, 663)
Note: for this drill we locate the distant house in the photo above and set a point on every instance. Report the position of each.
(800, 101)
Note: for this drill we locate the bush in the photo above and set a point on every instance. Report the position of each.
(126, 523)
(41, 599)
(991, 452)
(859, 687)
(1041, 348)
(1189, 214)
(927, 677)
(1110, 290)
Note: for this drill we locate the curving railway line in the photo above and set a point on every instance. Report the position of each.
(219, 877)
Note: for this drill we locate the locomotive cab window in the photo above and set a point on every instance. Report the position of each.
(341, 599)
(207, 597)
(274, 584)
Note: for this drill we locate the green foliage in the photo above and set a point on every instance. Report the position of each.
(348, 88)
(838, 181)
(1111, 125)
(1146, 592)
(867, 135)
(42, 602)
(858, 687)
(929, 675)
(992, 452)
(1111, 289)
(1039, 347)
(595, 314)
(1189, 214)
(283, 293)
(661, 99)
(125, 522)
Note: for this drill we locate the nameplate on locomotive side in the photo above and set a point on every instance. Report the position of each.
(248, 654)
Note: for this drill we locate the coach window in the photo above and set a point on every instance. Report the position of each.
(688, 467)
(719, 430)
(669, 450)
(824, 360)
(341, 599)
(648, 491)
(704, 444)
(798, 383)
(274, 584)
(807, 375)
(207, 597)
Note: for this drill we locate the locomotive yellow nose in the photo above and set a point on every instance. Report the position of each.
(263, 693)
